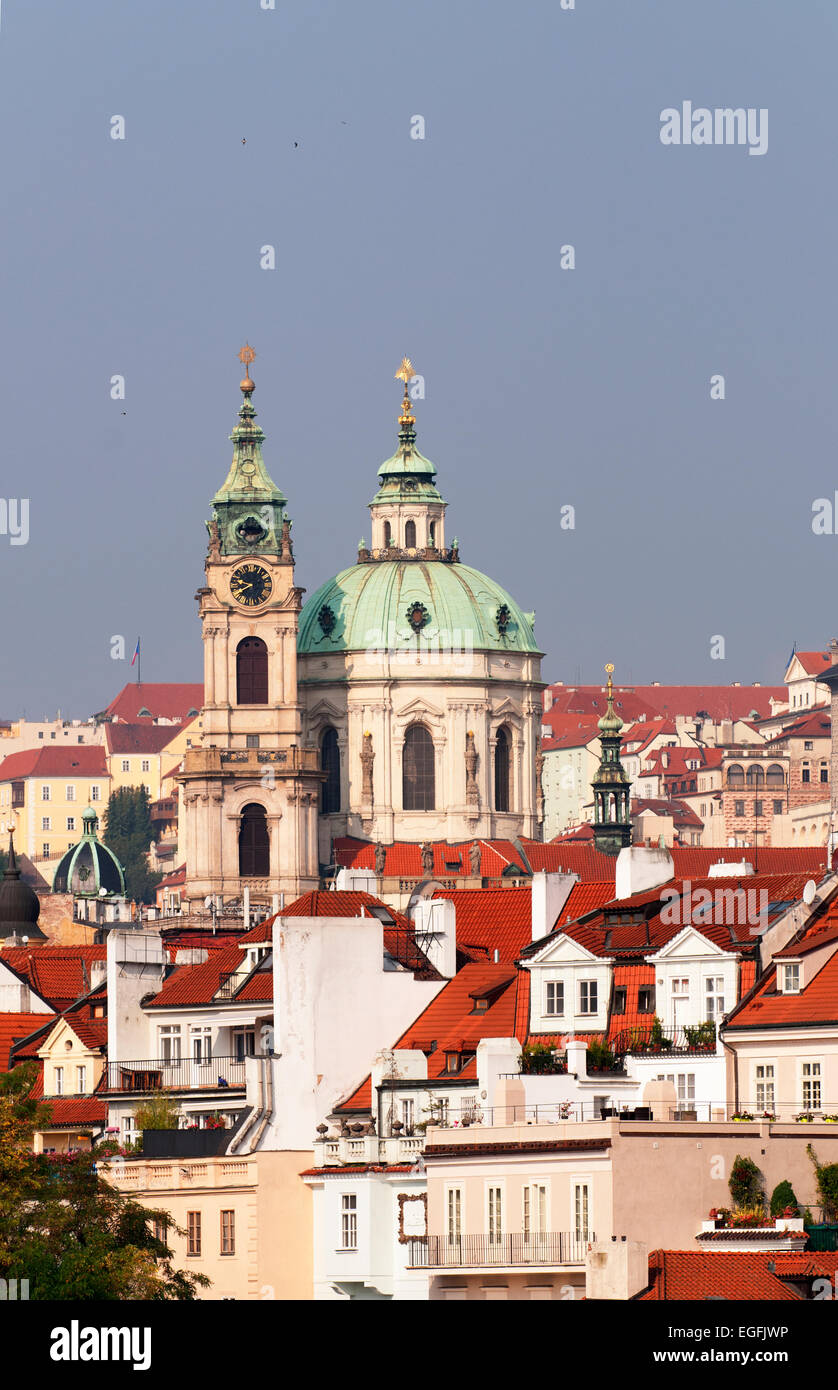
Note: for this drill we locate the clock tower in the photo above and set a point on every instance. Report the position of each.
(251, 791)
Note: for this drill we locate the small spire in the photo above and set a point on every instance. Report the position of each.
(407, 421)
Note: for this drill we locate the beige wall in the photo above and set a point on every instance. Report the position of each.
(273, 1223)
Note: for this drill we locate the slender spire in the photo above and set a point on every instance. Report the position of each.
(407, 421)
(248, 508)
(611, 785)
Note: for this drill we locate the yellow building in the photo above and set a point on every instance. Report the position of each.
(44, 791)
(144, 754)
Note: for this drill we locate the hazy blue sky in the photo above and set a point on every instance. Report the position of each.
(544, 387)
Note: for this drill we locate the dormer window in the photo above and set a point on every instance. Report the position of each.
(452, 1063)
(791, 978)
(480, 1006)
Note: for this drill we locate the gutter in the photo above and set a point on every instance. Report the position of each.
(268, 1109)
(256, 1114)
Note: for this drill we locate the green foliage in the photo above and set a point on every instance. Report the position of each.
(158, 1112)
(537, 1058)
(129, 832)
(782, 1197)
(599, 1056)
(827, 1179)
(65, 1228)
(701, 1036)
(745, 1185)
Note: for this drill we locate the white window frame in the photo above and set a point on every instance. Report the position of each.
(714, 997)
(535, 1218)
(791, 973)
(764, 1083)
(45, 793)
(349, 1221)
(58, 1078)
(95, 793)
(811, 1077)
(581, 1206)
(69, 792)
(453, 1214)
(145, 765)
(46, 823)
(556, 988)
(167, 1035)
(200, 1044)
(592, 988)
(494, 1211)
(81, 1080)
(126, 764)
(71, 823)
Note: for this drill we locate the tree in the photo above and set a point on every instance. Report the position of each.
(64, 1228)
(129, 832)
(827, 1178)
(160, 1112)
(745, 1184)
(783, 1197)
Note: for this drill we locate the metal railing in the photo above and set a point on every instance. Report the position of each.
(692, 1039)
(176, 1073)
(485, 1251)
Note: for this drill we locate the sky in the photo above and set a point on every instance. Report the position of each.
(545, 387)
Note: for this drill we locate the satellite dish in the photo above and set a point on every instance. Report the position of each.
(809, 891)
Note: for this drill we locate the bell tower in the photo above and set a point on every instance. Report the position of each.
(612, 784)
(251, 791)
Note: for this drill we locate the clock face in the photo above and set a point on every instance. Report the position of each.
(250, 585)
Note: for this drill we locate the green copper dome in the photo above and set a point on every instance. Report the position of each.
(404, 603)
(89, 866)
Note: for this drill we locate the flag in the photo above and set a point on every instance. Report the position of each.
(136, 652)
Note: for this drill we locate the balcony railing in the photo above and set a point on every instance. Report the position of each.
(484, 1252)
(176, 1074)
(694, 1040)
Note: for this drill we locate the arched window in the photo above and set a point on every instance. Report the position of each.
(502, 770)
(418, 770)
(755, 776)
(432, 533)
(388, 533)
(775, 777)
(254, 847)
(735, 776)
(409, 535)
(251, 672)
(330, 763)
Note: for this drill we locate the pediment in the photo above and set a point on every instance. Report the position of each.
(564, 950)
(689, 942)
(417, 707)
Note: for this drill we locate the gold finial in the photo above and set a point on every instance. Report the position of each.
(405, 374)
(610, 668)
(246, 356)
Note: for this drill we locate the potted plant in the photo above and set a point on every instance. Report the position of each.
(830, 1119)
(743, 1115)
(805, 1117)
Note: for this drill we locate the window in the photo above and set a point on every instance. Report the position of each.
(714, 992)
(646, 1000)
(453, 1213)
(388, 533)
(70, 794)
(554, 1003)
(46, 823)
(170, 1043)
(755, 777)
(764, 1074)
(409, 534)
(534, 1215)
(684, 1083)
(502, 770)
(349, 1221)
(452, 1062)
(681, 988)
(587, 996)
(807, 744)
(251, 672)
(494, 1198)
(59, 1081)
(330, 763)
(193, 1233)
(160, 1231)
(811, 1072)
(145, 765)
(735, 776)
(41, 733)
(126, 765)
(254, 845)
(18, 793)
(619, 1005)
(775, 777)
(739, 808)
(757, 808)
(228, 1233)
(201, 1045)
(432, 533)
(71, 822)
(45, 849)
(244, 1043)
(806, 774)
(824, 772)
(778, 808)
(95, 793)
(581, 1210)
(45, 794)
(81, 1081)
(407, 1115)
(791, 978)
(418, 791)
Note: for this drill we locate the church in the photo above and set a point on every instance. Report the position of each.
(401, 702)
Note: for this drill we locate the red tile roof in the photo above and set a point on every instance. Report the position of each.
(14, 1028)
(164, 700)
(79, 761)
(404, 860)
(58, 974)
(399, 934)
(172, 880)
(719, 701)
(682, 814)
(813, 663)
(197, 984)
(813, 725)
(140, 738)
(491, 919)
(258, 989)
(675, 1275)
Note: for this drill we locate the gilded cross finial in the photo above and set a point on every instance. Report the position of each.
(246, 356)
(405, 374)
(610, 669)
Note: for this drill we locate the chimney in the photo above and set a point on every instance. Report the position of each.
(641, 867)
(616, 1269)
(435, 925)
(550, 892)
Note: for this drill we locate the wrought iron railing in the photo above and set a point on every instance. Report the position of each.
(177, 1074)
(693, 1039)
(483, 1251)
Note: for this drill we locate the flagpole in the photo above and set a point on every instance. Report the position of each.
(139, 663)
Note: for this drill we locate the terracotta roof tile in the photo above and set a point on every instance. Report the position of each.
(163, 700)
(675, 1275)
(79, 761)
(140, 738)
(14, 1028)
